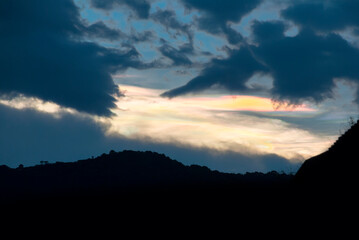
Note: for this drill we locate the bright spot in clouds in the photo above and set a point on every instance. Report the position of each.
(215, 122)
(22, 102)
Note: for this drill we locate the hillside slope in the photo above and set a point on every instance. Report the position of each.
(336, 168)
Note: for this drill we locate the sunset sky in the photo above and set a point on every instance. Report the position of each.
(236, 86)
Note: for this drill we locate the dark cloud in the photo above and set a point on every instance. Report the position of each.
(178, 57)
(268, 31)
(229, 161)
(232, 35)
(43, 55)
(28, 137)
(144, 36)
(213, 26)
(101, 30)
(231, 73)
(168, 19)
(324, 15)
(216, 15)
(223, 11)
(140, 7)
(303, 67)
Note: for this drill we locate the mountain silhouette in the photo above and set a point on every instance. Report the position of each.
(139, 185)
(335, 169)
(121, 173)
(132, 178)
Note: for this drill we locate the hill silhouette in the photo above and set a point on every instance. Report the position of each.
(120, 173)
(335, 169)
(130, 176)
(140, 185)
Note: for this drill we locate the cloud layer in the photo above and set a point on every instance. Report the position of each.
(213, 122)
(29, 137)
(231, 73)
(303, 67)
(324, 15)
(59, 56)
(140, 7)
(44, 55)
(216, 17)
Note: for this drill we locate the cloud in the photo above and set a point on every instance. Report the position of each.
(228, 161)
(140, 7)
(28, 137)
(216, 16)
(231, 73)
(177, 56)
(223, 11)
(101, 30)
(44, 55)
(303, 67)
(214, 122)
(268, 31)
(324, 15)
(144, 36)
(168, 19)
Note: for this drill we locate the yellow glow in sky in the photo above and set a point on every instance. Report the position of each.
(243, 103)
(217, 122)
(214, 122)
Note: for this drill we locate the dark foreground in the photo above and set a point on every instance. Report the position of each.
(143, 179)
(149, 192)
(150, 189)
(130, 175)
(141, 188)
(132, 180)
(145, 189)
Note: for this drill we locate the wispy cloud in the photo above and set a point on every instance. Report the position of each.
(215, 122)
(21, 102)
(125, 76)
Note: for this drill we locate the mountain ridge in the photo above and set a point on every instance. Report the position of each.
(132, 184)
(126, 171)
(335, 168)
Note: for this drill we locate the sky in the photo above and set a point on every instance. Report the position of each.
(238, 86)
